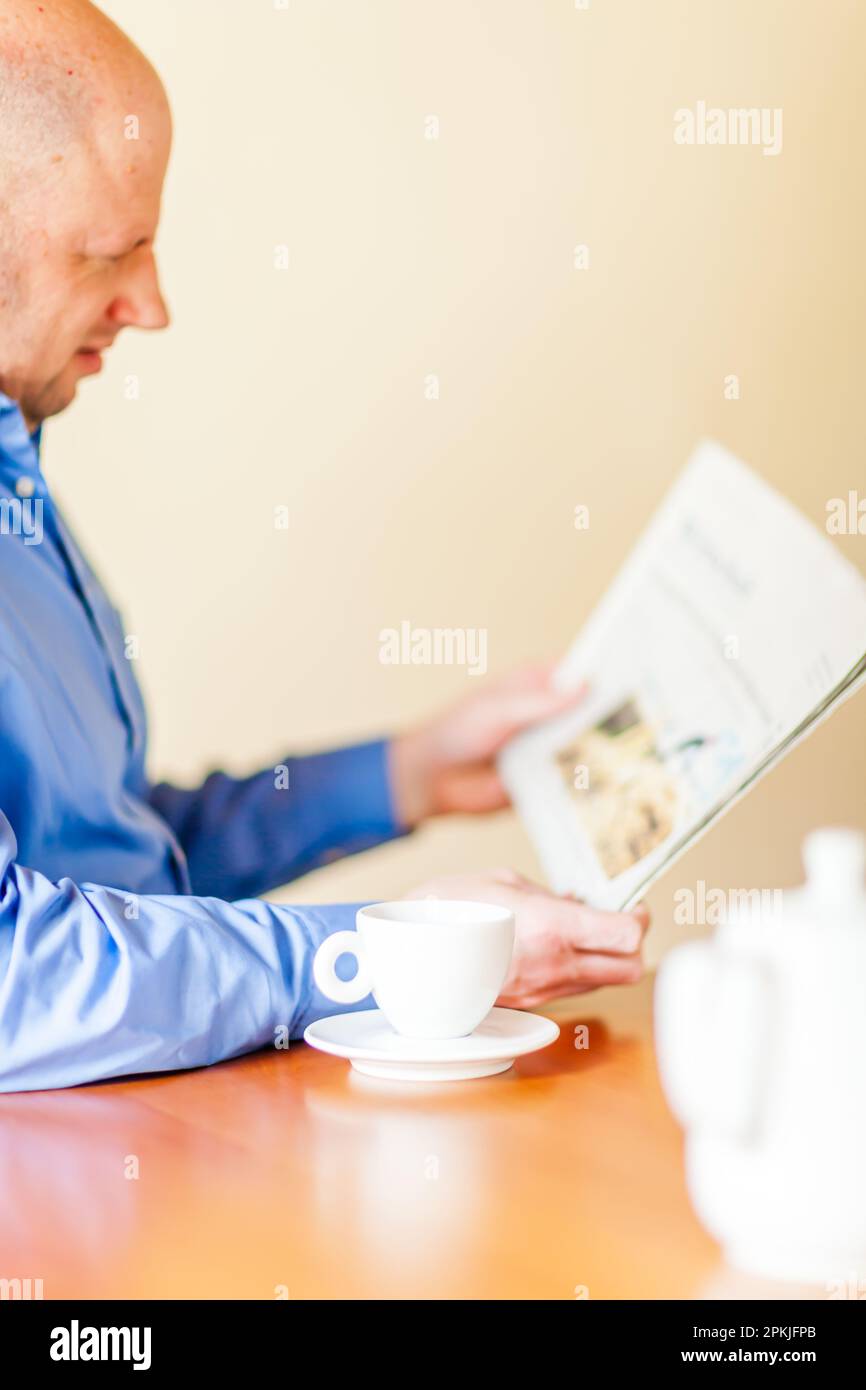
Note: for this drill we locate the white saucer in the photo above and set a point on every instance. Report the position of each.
(373, 1047)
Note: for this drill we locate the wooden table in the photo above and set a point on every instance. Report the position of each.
(287, 1174)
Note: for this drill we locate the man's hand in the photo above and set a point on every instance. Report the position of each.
(561, 946)
(449, 764)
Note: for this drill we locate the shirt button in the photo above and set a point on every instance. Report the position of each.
(25, 487)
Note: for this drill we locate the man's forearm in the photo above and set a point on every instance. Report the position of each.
(246, 836)
(96, 983)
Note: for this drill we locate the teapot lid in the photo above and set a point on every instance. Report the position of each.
(835, 888)
(834, 893)
(835, 863)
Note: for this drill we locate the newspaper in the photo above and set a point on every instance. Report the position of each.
(732, 630)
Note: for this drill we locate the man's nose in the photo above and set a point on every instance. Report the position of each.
(141, 304)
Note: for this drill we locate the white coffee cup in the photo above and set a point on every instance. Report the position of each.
(434, 967)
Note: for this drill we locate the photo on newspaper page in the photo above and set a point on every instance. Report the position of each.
(734, 627)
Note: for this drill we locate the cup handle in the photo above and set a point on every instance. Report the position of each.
(341, 943)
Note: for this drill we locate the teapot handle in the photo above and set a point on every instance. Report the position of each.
(713, 1025)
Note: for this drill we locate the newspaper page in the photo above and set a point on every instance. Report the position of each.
(734, 627)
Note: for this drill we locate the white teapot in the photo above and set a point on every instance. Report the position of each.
(761, 1039)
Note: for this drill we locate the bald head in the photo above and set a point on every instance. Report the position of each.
(85, 132)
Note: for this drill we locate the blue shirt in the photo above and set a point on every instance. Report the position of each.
(132, 938)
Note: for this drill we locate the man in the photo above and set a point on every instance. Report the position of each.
(132, 934)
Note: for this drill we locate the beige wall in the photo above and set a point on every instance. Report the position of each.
(409, 256)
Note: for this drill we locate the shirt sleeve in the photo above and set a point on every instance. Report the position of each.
(247, 836)
(98, 983)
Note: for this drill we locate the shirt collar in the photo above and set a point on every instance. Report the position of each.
(19, 449)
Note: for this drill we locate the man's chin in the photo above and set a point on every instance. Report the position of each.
(51, 399)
